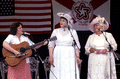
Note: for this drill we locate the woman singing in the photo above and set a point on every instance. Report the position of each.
(62, 53)
(22, 70)
(99, 50)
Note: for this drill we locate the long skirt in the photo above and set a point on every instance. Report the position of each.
(64, 61)
(21, 71)
(99, 66)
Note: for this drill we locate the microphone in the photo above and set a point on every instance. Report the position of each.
(101, 30)
(25, 33)
(67, 26)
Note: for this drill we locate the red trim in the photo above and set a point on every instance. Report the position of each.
(97, 3)
(67, 3)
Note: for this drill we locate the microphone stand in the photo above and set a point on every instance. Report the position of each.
(74, 44)
(38, 56)
(111, 51)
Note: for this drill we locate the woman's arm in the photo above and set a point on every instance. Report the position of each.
(46, 42)
(78, 56)
(51, 56)
(51, 46)
(77, 48)
(8, 47)
(112, 41)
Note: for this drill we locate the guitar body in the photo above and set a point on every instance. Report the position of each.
(13, 61)
(23, 48)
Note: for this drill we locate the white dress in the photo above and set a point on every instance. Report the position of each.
(64, 54)
(99, 64)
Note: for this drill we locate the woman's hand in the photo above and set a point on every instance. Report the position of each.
(104, 51)
(51, 61)
(92, 50)
(41, 45)
(101, 51)
(45, 42)
(79, 61)
(98, 51)
(17, 53)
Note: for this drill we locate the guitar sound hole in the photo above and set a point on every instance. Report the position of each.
(22, 50)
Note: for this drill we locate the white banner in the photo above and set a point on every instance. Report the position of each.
(83, 11)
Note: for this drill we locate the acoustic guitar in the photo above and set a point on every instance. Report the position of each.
(24, 49)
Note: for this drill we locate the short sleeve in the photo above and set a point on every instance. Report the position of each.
(52, 43)
(9, 38)
(76, 39)
(30, 42)
(87, 46)
(112, 41)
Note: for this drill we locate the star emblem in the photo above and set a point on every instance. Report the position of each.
(82, 11)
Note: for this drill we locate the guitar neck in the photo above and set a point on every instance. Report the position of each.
(33, 46)
(22, 49)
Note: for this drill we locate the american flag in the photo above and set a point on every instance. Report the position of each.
(35, 15)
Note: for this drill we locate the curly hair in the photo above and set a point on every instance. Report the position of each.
(13, 27)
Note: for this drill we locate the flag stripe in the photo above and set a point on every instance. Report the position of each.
(25, 20)
(32, 14)
(27, 26)
(25, 17)
(27, 29)
(32, 2)
(32, 11)
(33, 5)
(27, 23)
(35, 15)
(32, 8)
(32, 32)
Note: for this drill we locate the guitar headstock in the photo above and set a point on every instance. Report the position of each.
(53, 38)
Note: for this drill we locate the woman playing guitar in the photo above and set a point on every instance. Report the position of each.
(22, 70)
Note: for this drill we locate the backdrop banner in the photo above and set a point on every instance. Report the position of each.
(82, 11)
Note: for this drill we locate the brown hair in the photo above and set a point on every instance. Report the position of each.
(13, 27)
